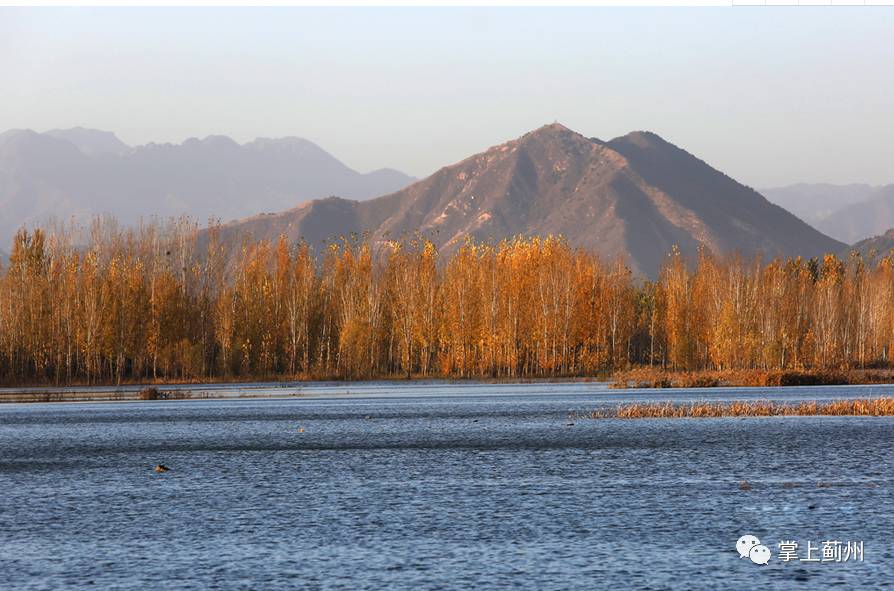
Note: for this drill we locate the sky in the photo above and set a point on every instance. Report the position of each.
(770, 96)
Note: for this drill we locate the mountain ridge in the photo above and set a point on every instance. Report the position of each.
(91, 141)
(82, 172)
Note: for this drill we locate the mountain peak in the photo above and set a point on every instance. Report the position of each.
(553, 137)
(552, 130)
(91, 141)
(289, 140)
(223, 142)
(291, 144)
(555, 126)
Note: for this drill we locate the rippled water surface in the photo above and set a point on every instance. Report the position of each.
(434, 486)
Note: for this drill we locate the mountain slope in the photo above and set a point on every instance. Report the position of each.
(81, 172)
(634, 196)
(877, 246)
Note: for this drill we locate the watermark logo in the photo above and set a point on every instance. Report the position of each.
(749, 546)
(833, 551)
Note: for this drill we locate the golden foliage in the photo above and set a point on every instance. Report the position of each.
(164, 302)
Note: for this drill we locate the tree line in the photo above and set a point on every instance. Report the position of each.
(166, 302)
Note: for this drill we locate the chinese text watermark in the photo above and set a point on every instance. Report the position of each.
(826, 551)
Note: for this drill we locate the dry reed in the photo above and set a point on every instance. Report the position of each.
(874, 407)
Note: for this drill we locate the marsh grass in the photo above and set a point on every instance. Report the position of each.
(874, 407)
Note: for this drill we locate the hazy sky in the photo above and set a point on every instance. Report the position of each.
(768, 95)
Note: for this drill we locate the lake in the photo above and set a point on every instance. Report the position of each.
(439, 486)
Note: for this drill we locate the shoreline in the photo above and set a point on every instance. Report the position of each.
(341, 389)
(246, 390)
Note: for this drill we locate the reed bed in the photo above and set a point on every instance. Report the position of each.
(871, 407)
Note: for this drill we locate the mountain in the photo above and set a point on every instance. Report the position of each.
(877, 246)
(816, 202)
(635, 196)
(91, 141)
(83, 172)
(845, 212)
(865, 218)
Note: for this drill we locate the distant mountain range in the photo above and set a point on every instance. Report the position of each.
(635, 196)
(84, 172)
(845, 212)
